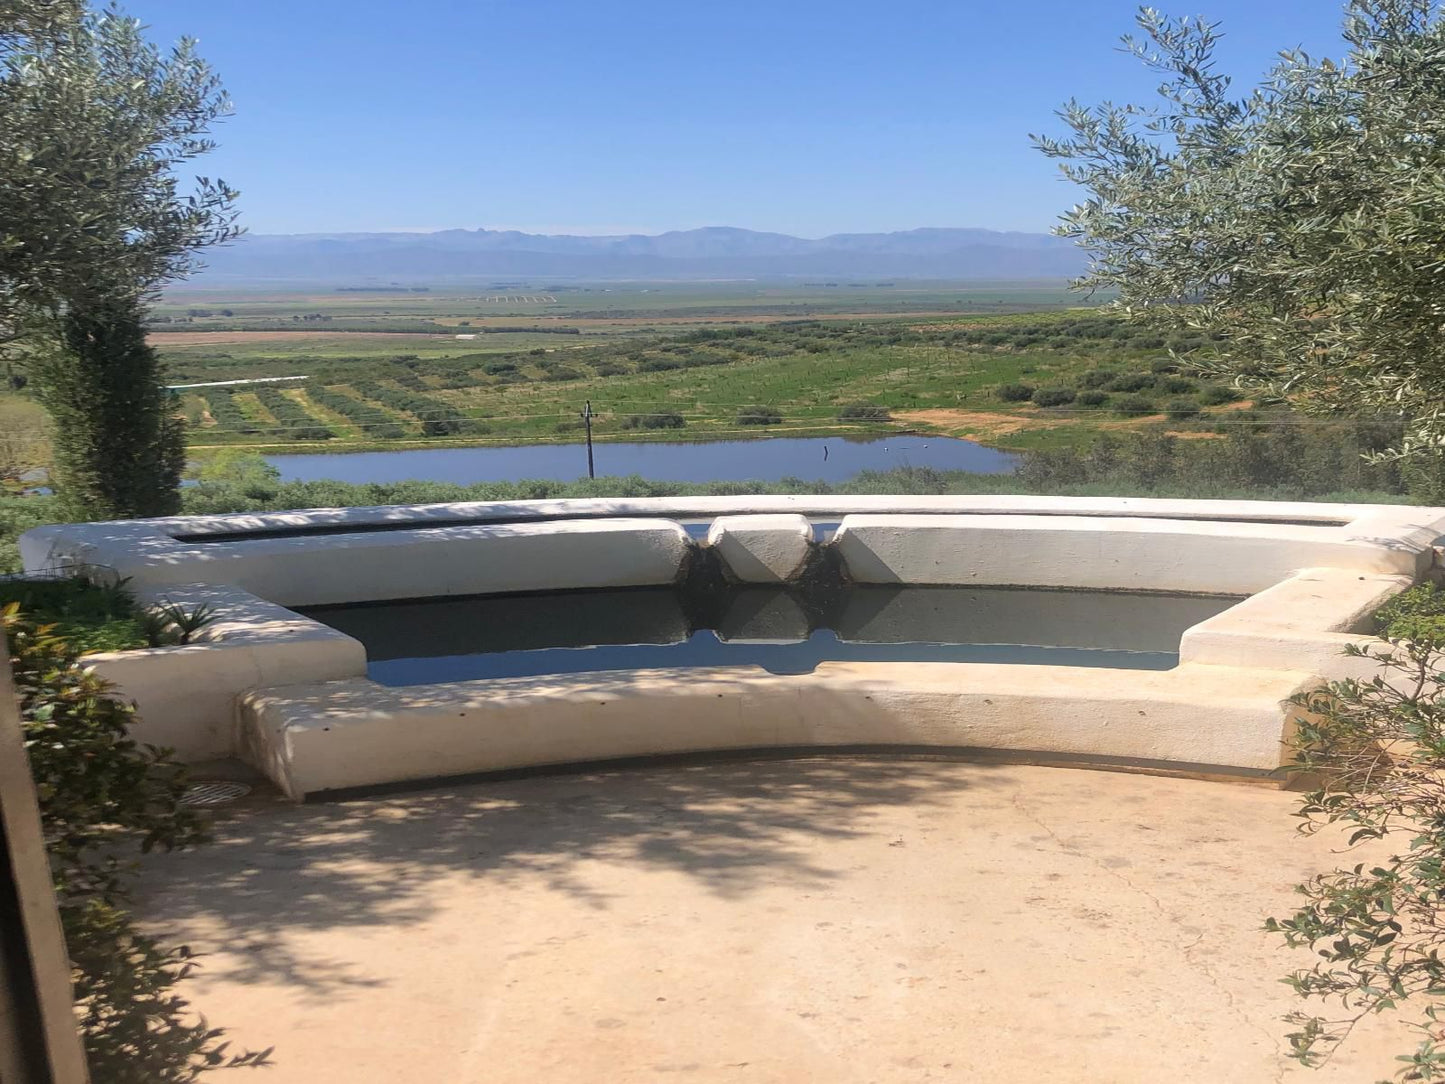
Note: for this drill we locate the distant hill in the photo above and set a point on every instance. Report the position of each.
(715, 252)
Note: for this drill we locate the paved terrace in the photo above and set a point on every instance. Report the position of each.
(831, 920)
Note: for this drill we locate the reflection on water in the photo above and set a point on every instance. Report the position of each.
(827, 459)
(783, 630)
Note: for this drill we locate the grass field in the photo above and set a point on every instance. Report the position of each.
(1013, 365)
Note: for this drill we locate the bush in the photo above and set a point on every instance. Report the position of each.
(1134, 404)
(1052, 397)
(609, 368)
(1176, 385)
(1374, 750)
(1163, 365)
(864, 412)
(1182, 409)
(1214, 395)
(1015, 393)
(1092, 398)
(1131, 382)
(653, 421)
(658, 365)
(1416, 614)
(102, 794)
(759, 415)
(1096, 378)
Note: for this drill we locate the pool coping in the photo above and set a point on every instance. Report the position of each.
(238, 689)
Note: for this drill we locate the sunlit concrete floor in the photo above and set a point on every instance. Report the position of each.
(849, 920)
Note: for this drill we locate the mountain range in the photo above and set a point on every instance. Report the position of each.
(714, 252)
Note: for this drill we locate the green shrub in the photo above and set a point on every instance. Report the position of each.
(91, 615)
(1162, 365)
(1015, 393)
(102, 795)
(1092, 398)
(1052, 397)
(658, 365)
(758, 415)
(1417, 614)
(1134, 404)
(1182, 409)
(1130, 382)
(1096, 378)
(864, 412)
(654, 421)
(1214, 395)
(1176, 385)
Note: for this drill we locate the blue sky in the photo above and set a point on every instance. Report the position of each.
(801, 117)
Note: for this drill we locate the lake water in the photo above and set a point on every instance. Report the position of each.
(784, 630)
(828, 459)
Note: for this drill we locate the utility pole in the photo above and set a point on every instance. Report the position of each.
(587, 419)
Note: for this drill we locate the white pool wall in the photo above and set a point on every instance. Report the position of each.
(280, 688)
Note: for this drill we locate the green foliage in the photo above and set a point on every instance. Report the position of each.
(1134, 404)
(102, 796)
(1096, 378)
(1092, 398)
(1181, 409)
(19, 514)
(1280, 461)
(368, 419)
(171, 623)
(664, 420)
(221, 405)
(864, 412)
(1214, 395)
(1015, 393)
(1416, 614)
(119, 445)
(1376, 748)
(758, 415)
(294, 422)
(95, 122)
(1052, 397)
(436, 418)
(90, 614)
(1297, 228)
(1130, 382)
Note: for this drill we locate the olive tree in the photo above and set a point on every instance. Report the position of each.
(1301, 223)
(95, 123)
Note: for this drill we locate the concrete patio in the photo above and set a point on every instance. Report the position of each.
(851, 919)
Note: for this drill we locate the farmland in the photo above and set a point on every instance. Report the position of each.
(1010, 364)
(1018, 366)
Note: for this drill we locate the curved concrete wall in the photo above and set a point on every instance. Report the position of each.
(355, 733)
(1315, 573)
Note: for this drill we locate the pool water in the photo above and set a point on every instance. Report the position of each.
(782, 630)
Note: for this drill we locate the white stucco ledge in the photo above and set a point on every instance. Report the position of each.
(349, 734)
(1111, 553)
(186, 695)
(762, 549)
(289, 693)
(1303, 623)
(395, 564)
